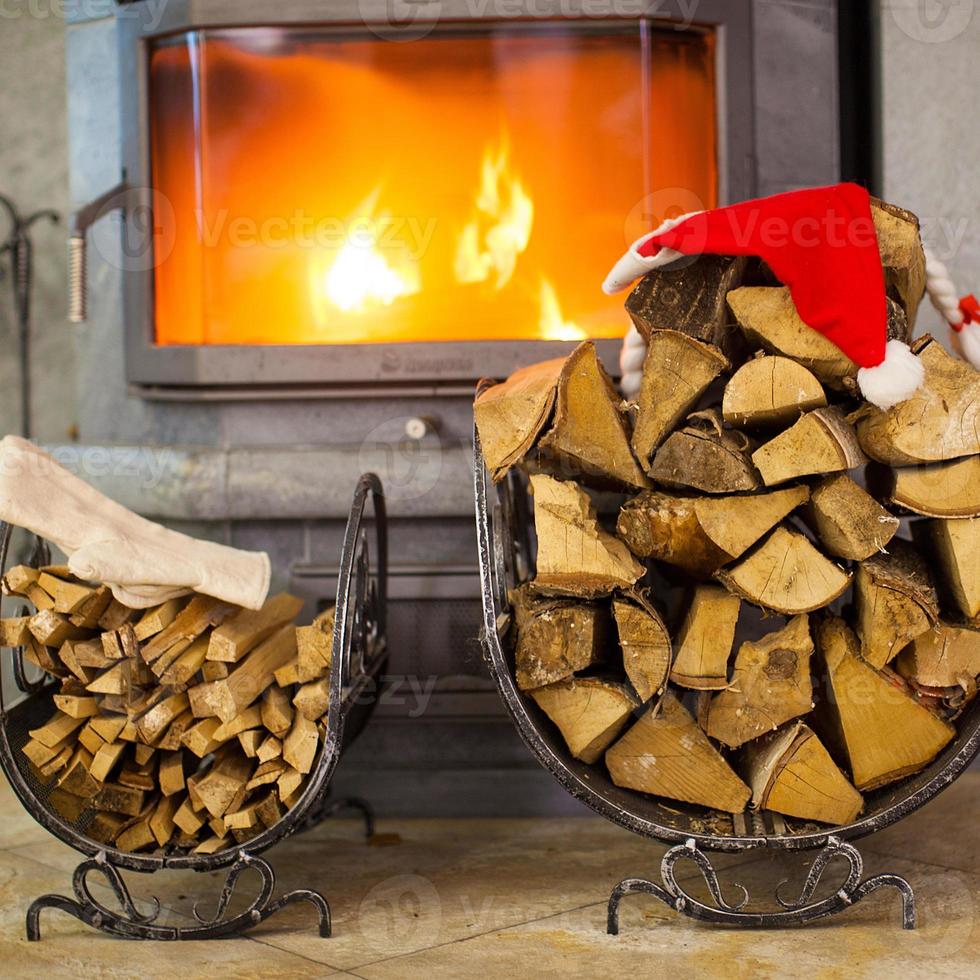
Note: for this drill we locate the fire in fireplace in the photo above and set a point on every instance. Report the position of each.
(325, 188)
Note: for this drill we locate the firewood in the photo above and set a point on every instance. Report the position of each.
(510, 416)
(228, 697)
(115, 615)
(770, 391)
(90, 739)
(588, 711)
(849, 522)
(705, 640)
(271, 748)
(214, 670)
(770, 685)
(180, 672)
(77, 706)
(313, 699)
(941, 490)
(121, 643)
(902, 256)
(269, 772)
(249, 718)
(588, 436)
(287, 785)
(199, 738)
(15, 632)
(277, 711)
(68, 654)
(39, 598)
(87, 653)
(171, 740)
(288, 674)
(249, 627)
(77, 779)
(940, 422)
(162, 819)
(666, 754)
(18, 579)
(171, 774)
(268, 809)
(220, 786)
(885, 733)
(821, 442)
(314, 646)
(700, 534)
(244, 819)
(705, 456)
(945, 656)
(56, 729)
(768, 317)
(894, 602)
(677, 371)
(52, 629)
(250, 741)
(119, 799)
(40, 755)
(690, 298)
(60, 760)
(157, 618)
(67, 805)
(159, 718)
(187, 818)
(791, 772)
(142, 753)
(137, 777)
(575, 556)
(92, 609)
(105, 827)
(646, 645)
(555, 638)
(115, 680)
(955, 545)
(198, 615)
(68, 596)
(39, 655)
(106, 759)
(786, 574)
(300, 745)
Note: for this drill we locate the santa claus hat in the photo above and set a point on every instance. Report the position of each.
(821, 243)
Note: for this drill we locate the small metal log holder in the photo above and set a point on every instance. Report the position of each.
(504, 528)
(359, 656)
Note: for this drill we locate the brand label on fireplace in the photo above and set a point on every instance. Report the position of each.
(398, 362)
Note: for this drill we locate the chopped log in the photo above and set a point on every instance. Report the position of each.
(157, 618)
(159, 718)
(249, 627)
(187, 819)
(268, 809)
(77, 706)
(213, 844)
(269, 772)
(105, 827)
(68, 654)
(108, 728)
(244, 819)
(56, 729)
(229, 697)
(770, 391)
(588, 436)
(849, 521)
(510, 416)
(39, 598)
(287, 785)
(902, 256)
(300, 745)
(181, 671)
(277, 711)
(115, 615)
(39, 655)
(15, 632)
(822, 441)
(288, 673)
(588, 711)
(40, 755)
(314, 646)
(162, 819)
(791, 772)
(894, 602)
(89, 738)
(172, 738)
(768, 317)
(770, 685)
(677, 371)
(942, 490)
(199, 738)
(940, 422)
(198, 615)
(115, 680)
(945, 656)
(142, 753)
(575, 556)
(171, 773)
(666, 754)
(646, 645)
(137, 777)
(786, 574)
(119, 799)
(106, 759)
(68, 596)
(555, 638)
(700, 534)
(690, 299)
(214, 670)
(218, 789)
(705, 457)
(18, 579)
(69, 806)
(92, 610)
(249, 718)
(77, 779)
(956, 547)
(52, 629)
(271, 748)
(705, 640)
(250, 741)
(313, 699)
(87, 653)
(885, 733)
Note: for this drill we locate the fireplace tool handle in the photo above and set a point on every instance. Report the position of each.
(124, 196)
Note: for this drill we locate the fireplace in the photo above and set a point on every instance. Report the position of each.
(342, 214)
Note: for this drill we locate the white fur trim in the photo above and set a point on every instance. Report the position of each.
(969, 338)
(631, 358)
(897, 378)
(632, 265)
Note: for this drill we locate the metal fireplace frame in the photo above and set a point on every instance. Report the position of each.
(150, 368)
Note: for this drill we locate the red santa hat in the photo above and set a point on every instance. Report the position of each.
(821, 243)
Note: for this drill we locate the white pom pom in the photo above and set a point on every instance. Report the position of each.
(969, 338)
(898, 377)
(631, 357)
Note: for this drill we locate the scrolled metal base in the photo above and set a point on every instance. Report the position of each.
(129, 923)
(796, 912)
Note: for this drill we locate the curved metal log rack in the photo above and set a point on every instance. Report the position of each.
(504, 527)
(359, 655)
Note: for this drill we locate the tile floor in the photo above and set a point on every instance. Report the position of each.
(512, 898)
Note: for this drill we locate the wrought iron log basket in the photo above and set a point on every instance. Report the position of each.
(359, 656)
(504, 528)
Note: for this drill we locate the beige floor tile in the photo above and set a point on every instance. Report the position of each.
(19, 827)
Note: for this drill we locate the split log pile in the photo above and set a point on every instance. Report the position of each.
(748, 626)
(191, 726)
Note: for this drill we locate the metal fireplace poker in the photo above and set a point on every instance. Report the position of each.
(359, 657)
(504, 529)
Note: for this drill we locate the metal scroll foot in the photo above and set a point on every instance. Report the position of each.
(796, 912)
(127, 922)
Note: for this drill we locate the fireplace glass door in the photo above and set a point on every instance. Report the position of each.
(319, 186)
